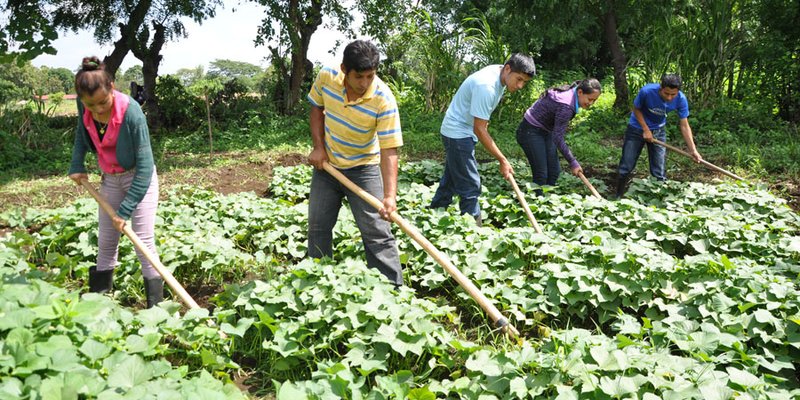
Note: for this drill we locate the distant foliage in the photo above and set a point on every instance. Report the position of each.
(181, 110)
(244, 73)
(132, 74)
(231, 102)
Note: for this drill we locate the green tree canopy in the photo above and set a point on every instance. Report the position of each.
(289, 24)
(28, 33)
(188, 76)
(229, 69)
(132, 74)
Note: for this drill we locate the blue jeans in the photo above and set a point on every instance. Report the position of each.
(540, 150)
(324, 203)
(632, 148)
(460, 177)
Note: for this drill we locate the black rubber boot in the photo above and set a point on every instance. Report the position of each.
(153, 291)
(100, 281)
(622, 183)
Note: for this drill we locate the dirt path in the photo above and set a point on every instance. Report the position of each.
(243, 174)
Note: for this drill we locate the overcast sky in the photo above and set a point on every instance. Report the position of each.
(229, 35)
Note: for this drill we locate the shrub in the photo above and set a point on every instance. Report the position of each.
(179, 108)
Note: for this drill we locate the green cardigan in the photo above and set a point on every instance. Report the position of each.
(133, 151)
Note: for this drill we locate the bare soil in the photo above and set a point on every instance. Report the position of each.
(245, 177)
(244, 174)
(253, 174)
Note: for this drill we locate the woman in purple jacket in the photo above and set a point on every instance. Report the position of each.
(545, 123)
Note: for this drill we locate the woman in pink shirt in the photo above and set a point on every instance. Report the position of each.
(112, 125)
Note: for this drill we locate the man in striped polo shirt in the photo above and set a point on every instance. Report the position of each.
(355, 126)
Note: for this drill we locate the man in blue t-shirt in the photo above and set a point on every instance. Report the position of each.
(467, 121)
(647, 122)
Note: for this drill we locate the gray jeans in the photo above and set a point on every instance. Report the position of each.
(143, 221)
(376, 234)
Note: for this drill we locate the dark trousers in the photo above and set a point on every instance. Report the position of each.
(460, 177)
(632, 148)
(324, 203)
(540, 150)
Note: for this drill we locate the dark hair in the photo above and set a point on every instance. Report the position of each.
(672, 81)
(522, 64)
(92, 76)
(587, 86)
(361, 55)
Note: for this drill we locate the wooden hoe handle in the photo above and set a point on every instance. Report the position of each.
(589, 185)
(524, 204)
(162, 270)
(704, 162)
(440, 258)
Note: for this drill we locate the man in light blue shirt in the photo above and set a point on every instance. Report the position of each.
(647, 122)
(466, 122)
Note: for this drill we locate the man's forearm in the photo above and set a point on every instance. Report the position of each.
(389, 172)
(488, 143)
(688, 137)
(640, 118)
(317, 123)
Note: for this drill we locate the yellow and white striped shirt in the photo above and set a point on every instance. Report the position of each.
(356, 131)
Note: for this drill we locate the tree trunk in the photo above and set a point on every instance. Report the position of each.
(114, 60)
(296, 78)
(618, 60)
(208, 115)
(282, 87)
(127, 35)
(730, 82)
(151, 59)
(788, 103)
(738, 92)
(305, 24)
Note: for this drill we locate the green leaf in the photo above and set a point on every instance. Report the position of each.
(720, 302)
(136, 344)
(566, 393)
(763, 316)
(94, 349)
(44, 312)
(52, 388)
(290, 391)
(618, 387)
(727, 263)
(700, 245)
(132, 371)
(518, 387)
(152, 316)
(705, 342)
(482, 362)
(64, 360)
(563, 287)
(609, 361)
(743, 378)
(746, 306)
(715, 389)
(421, 394)
(11, 388)
(53, 344)
(240, 329)
(628, 325)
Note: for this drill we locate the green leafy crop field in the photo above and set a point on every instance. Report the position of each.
(678, 291)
